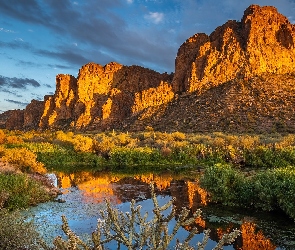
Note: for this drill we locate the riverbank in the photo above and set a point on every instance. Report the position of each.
(20, 190)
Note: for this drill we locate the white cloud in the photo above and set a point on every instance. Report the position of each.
(129, 1)
(7, 31)
(19, 39)
(155, 17)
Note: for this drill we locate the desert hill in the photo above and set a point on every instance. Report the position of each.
(240, 78)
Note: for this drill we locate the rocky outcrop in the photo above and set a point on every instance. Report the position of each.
(240, 78)
(102, 95)
(58, 109)
(32, 114)
(259, 104)
(4, 117)
(15, 120)
(263, 42)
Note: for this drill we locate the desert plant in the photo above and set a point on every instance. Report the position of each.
(15, 233)
(13, 139)
(223, 183)
(267, 190)
(128, 158)
(2, 136)
(23, 159)
(134, 231)
(82, 143)
(2, 150)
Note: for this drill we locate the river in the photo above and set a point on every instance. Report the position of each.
(84, 194)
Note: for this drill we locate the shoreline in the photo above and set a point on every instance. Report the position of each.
(42, 179)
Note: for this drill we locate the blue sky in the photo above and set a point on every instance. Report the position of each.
(42, 38)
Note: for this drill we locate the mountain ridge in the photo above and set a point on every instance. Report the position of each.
(240, 78)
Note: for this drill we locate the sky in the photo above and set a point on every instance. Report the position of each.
(42, 38)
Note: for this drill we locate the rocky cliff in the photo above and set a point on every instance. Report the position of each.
(240, 78)
(263, 42)
(104, 95)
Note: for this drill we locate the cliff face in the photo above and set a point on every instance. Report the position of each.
(263, 42)
(239, 78)
(101, 95)
(58, 109)
(15, 120)
(32, 114)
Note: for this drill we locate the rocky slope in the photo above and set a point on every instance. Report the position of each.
(240, 78)
(259, 104)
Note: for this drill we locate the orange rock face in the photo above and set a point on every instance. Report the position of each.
(263, 42)
(58, 109)
(104, 95)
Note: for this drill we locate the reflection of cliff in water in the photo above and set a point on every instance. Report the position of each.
(120, 188)
(187, 192)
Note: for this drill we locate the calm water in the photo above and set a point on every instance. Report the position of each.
(85, 192)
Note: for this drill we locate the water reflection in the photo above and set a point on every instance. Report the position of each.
(253, 238)
(120, 188)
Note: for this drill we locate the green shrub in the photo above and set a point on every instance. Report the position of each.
(269, 157)
(128, 158)
(286, 190)
(19, 191)
(67, 160)
(267, 190)
(223, 183)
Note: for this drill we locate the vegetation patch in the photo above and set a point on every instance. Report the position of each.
(20, 191)
(15, 233)
(267, 190)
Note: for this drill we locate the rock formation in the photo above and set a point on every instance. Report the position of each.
(32, 114)
(263, 42)
(58, 109)
(240, 78)
(15, 120)
(104, 95)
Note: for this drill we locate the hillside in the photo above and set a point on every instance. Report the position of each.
(240, 78)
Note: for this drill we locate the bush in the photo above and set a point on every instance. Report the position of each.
(12, 139)
(223, 183)
(268, 190)
(128, 158)
(103, 145)
(266, 157)
(19, 191)
(2, 136)
(274, 189)
(23, 159)
(15, 233)
(82, 143)
(2, 150)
